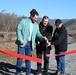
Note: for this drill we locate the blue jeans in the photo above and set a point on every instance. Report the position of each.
(27, 50)
(60, 62)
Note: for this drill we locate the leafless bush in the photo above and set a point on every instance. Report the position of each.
(8, 22)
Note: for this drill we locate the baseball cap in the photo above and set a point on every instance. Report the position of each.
(58, 22)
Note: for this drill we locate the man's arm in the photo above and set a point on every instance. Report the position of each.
(19, 30)
(49, 32)
(60, 38)
(40, 37)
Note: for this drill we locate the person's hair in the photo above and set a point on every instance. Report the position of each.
(33, 12)
(45, 17)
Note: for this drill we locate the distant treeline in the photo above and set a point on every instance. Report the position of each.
(8, 22)
(71, 24)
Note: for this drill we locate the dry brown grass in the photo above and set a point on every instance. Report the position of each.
(9, 45)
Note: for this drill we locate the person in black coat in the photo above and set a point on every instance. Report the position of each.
(59, 40)
(41, 48)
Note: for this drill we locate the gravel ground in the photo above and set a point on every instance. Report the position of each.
(70, 64)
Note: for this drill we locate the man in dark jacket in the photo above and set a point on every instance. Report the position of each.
(41, 47)
(59, 40)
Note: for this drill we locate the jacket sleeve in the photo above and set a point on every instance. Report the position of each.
(49, 34)
(39, 35)
(19, 30)
(60, 38)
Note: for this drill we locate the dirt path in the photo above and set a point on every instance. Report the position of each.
(7, 66)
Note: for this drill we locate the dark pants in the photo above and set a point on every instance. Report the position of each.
(39, 51)
(28, 51)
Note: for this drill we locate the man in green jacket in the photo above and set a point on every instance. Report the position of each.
(27, 30)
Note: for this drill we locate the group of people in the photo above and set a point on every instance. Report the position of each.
(29, 33)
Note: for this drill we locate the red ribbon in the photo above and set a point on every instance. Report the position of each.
(21, 56)
(33, 58)
(65, 53)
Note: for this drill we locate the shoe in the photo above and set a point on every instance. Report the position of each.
(28, 74)
(45, 74)
(57, 73)
(38, 73)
